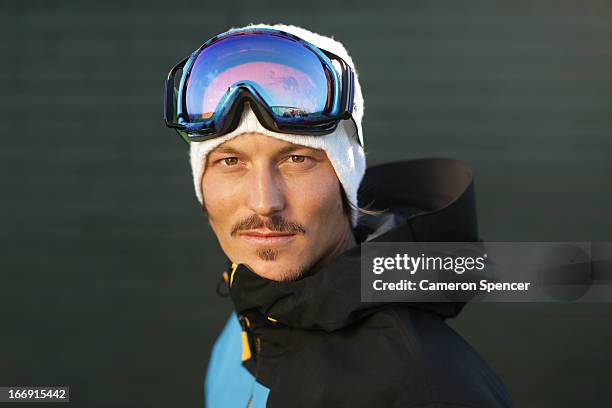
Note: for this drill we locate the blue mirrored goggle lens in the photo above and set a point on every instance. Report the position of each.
(289, 77)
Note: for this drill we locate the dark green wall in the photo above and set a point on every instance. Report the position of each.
(108, 268)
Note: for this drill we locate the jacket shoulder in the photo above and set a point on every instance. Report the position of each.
(453, 372)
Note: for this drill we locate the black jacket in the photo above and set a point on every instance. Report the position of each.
(312, 343)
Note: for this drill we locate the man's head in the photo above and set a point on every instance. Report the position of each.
(277, 202)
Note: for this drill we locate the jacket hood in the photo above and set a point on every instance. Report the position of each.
(424, 200)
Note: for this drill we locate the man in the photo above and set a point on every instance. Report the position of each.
(273, 116)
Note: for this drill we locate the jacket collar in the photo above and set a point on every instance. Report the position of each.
(427, 200)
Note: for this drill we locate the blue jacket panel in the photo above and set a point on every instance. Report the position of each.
(228, 383)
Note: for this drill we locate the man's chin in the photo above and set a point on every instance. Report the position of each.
(277, 270)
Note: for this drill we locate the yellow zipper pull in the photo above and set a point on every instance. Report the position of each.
(246, 350)
(246, 347)
(231, 279)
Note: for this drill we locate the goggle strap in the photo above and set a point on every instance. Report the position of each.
(346, 103)
(170, 99)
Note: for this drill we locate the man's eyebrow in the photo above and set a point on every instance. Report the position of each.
(226, 150)
(293, 148)
(284, 150)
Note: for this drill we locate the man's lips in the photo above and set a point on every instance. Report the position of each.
(266, 237)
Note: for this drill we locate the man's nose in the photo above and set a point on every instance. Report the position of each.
(266, 195)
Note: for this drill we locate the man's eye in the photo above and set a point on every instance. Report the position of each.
(230, 161)
(297, 159)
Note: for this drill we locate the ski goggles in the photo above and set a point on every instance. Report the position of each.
(291, 85)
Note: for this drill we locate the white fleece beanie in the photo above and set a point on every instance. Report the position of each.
(341, 146)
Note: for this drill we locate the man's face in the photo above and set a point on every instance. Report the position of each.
(273, 205)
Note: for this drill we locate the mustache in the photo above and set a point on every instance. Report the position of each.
(274, 223)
